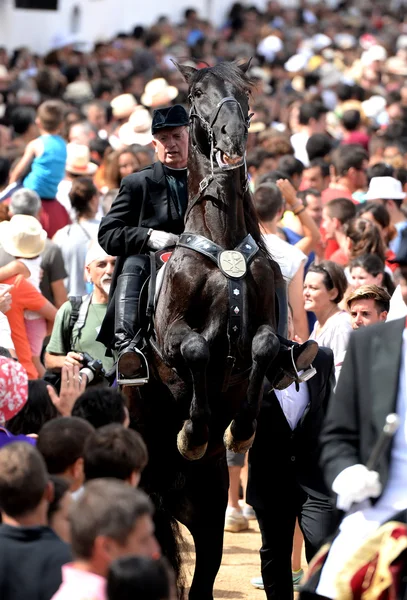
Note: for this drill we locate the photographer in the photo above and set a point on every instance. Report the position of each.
(75, 343)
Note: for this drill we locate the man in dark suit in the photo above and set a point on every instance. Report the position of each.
(285, 481)
(148, 214)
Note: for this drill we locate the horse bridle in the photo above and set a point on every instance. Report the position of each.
(207, 125)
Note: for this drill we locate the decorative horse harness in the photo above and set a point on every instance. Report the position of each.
(233, 264)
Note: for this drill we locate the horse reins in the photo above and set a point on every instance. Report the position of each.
(208, 127)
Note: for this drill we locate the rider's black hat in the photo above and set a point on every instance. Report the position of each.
(173, 116)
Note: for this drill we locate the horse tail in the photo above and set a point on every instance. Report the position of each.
(173, 545)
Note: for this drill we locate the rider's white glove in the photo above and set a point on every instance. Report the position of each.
(355, 484)
(161, 239)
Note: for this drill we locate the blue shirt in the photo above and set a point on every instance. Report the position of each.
(48, 170)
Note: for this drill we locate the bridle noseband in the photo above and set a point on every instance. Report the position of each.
(207, 125)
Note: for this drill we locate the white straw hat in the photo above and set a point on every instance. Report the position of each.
(22, 236)
(158, 93)
(78, 160)
(385, 188)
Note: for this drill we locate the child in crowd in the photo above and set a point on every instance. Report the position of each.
(114, 451)
(46, 157)
(61, 443)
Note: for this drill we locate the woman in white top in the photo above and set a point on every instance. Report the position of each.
(324, 288)
(75, 239)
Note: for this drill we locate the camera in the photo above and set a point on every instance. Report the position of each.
(92, 368)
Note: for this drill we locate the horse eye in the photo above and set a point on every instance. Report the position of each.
(198, 93)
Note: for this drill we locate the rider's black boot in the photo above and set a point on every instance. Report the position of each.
(132, 366)
(293, 363)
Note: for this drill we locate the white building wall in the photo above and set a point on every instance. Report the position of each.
(99, 19)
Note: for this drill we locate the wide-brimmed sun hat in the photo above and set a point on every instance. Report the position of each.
(123, 106)
(158, 92)
(137, 130)
(22, 236)
(385, 188)
(78, 160)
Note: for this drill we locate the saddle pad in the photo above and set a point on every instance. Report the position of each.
(160, 277)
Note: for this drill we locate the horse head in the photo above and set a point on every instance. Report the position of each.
(219, 99)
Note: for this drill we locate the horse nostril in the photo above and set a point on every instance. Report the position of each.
(223, 129)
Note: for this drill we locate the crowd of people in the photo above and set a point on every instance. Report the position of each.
(327, 166)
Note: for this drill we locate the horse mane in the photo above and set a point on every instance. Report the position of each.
(225, 71)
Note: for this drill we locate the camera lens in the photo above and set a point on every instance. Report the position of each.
(88, 372)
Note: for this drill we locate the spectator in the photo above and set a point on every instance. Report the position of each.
(27, 202)
(363, 237)
(110, 520)
(324, 288)
(101, 406)
(61, 443)
(259, 161)
(369, 269)
(38, 410)
(24, 238)
(115, 451)
(75, 239)
(377, 214)
(32, 554)
(319, 146)
(293, 169)
(316, 175)
(67, 342)
(388, 191)
(335, 214)
(350, 164)
(58, 509)
(312, 119)
(140, 577)
(46, 156)
(119, 164)
(269, 204)
(353, 130)
(367, 305)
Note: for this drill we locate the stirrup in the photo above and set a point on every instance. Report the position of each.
(305, 375)
(143, 374)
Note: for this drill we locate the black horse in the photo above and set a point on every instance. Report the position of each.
(215, 329)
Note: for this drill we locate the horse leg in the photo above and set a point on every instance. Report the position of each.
(240, 434)
(192, 440)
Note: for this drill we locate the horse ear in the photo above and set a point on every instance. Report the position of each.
(245, 66)
(186, 72)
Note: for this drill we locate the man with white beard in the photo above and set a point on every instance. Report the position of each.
(78, 321)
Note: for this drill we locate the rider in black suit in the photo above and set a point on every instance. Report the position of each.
(148, 214)
(285, 481)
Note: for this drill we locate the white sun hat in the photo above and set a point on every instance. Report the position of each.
(22, 236)
(158, 92)
(385, 188)
(78, 160)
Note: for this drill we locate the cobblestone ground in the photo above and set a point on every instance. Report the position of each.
(240, 563)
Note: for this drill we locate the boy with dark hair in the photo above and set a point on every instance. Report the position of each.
(31, 554)
(101, 406)
(319, 145)
(317, 175)
(61, 443)
(114, 451)
(334, 216)
(350, 164)
(293, 169)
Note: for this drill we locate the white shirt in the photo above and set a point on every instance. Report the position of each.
(334, 335)
(364, 519)
(299, 141)
(293, 403)
(398, 308)
(288, 257)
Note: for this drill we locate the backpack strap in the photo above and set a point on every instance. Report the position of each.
(79, 309)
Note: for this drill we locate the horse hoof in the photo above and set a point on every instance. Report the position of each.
(188, 452)
(237, 446)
